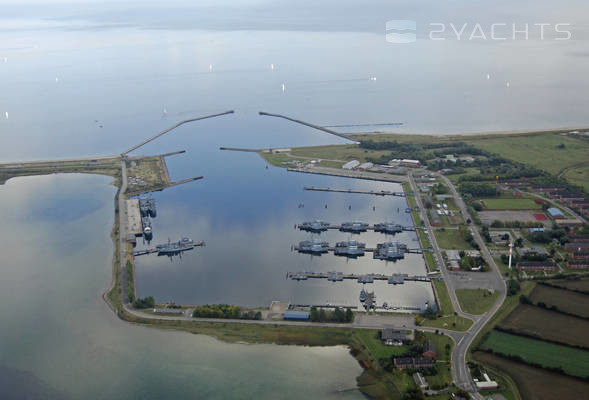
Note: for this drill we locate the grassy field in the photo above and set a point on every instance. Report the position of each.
(344, 152)
(573, 361)
(565, 300)
(452, 322)
(443, 298)
(510, 204)
(548, 325)
(450, 239)
(578, 176)
(536, 383)
(539, 150)
(476, 301)
(371, 339)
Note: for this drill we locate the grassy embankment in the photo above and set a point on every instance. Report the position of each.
(476, 301)
(108, 166)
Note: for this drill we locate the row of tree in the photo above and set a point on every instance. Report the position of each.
(337, 315)
(225, 311)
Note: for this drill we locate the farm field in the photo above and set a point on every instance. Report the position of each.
(476, 301)
(451, 240)
(560, 328)
(565, 300)
(536, 383)
(581, 284)
(536, 149)
(510, 204)
(573, 361)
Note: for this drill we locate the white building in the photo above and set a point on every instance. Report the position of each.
(351, 164)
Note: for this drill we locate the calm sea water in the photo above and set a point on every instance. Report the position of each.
(86, 78)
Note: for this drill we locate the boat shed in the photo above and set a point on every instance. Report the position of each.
(296, 316)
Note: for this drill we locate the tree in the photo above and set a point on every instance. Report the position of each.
(349, 315)
(513, 287)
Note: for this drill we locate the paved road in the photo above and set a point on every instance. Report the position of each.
(123, 230)
(393, 322)
(460, 371)
(437, 251)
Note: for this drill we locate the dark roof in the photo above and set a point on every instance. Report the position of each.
(393, 334)
(536, 264)
(578, 245)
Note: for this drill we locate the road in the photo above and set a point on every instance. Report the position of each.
(123, 230)
(437, 251)
(460, 371)
(360, 324)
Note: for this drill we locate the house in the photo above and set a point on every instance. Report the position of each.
(532, 251)
(487, 384)
(420, 381)
(412, 363)
(429, 349)
(568, 222)
(392, 336)
(555, 213)
(500, 238)
(579, 255)
(578, 238)
(549, 188)
(577, 246)
(410, 163)
(578, 264)
(536, 266)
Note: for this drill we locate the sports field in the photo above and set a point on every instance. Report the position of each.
(573, 361)
(510, 204)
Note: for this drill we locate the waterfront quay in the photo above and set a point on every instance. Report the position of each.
(361, 278)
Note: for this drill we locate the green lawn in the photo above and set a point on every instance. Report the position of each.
(450, 239)
(371, 340)
(431, 261)
(451, 322)
(510, 204)
(476, 301)
(443, 298)
(573, 361)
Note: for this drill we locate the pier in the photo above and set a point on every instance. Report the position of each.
(395, 279)
(338, 227)
(367, 249)
(143, 143)
(310, 125)
(373, 192)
